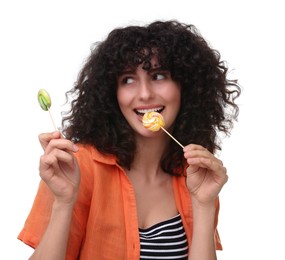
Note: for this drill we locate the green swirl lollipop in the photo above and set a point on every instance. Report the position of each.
(45, 103)
(44, 99)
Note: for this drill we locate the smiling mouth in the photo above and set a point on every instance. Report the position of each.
(141, 112)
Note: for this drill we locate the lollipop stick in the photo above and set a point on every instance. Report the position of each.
(52, 120)
(171, 136)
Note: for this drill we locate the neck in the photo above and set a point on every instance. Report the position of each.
(148, 155)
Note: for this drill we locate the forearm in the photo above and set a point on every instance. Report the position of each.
(54, 241)
(203, 242)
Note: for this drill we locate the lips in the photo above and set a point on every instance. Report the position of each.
(141, 112)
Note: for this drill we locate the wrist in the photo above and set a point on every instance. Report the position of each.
(204, 214)
(60, 205)
(209, 206)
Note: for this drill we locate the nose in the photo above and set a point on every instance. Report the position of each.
(145, 90)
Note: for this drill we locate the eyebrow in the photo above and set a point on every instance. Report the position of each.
(127, 71)
(159, 69)
(152, 70)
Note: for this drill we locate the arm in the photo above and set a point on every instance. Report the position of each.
(59, 170)
(203, 244)
(54, 241)
(205, 179)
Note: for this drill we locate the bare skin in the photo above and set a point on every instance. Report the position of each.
(205, 177)
(60, 171)
(137, 91)
(153, 187)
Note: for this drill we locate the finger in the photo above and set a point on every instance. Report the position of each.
(201, 152)
(192, 169)
(61, 144)
(195, 150)
(45, 138)
(57, 162)
(212, 165)
(48, 166)
(190, 147)
(54, 159)
(62, 156)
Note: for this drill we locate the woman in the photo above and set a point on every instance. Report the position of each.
(113, 189)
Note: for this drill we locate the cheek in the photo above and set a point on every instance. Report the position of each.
(174, 94)
(175, 99)
(121, 97)
(124, 101)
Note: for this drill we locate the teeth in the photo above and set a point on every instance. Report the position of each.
(143, 111)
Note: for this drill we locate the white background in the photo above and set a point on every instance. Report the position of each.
(43, 45)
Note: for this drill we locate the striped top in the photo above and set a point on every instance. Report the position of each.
(165, 240)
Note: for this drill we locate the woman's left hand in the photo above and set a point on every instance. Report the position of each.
(206, 174)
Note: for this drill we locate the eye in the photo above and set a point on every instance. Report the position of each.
(159, 76)
(127, 80)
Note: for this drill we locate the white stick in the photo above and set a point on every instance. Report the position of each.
(171, 136)
(52, 120)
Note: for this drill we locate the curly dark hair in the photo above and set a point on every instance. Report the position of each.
(207, 96)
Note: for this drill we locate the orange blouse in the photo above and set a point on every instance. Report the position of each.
(104, 223)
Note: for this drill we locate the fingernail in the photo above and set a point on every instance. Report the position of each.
(75, 148)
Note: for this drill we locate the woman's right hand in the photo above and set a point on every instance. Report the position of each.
(59, 168)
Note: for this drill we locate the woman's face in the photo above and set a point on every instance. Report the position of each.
(141, 91)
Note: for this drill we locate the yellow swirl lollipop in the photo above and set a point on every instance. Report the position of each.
(154, 121)
(45, 103)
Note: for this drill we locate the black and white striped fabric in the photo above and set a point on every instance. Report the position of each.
(165, 240)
